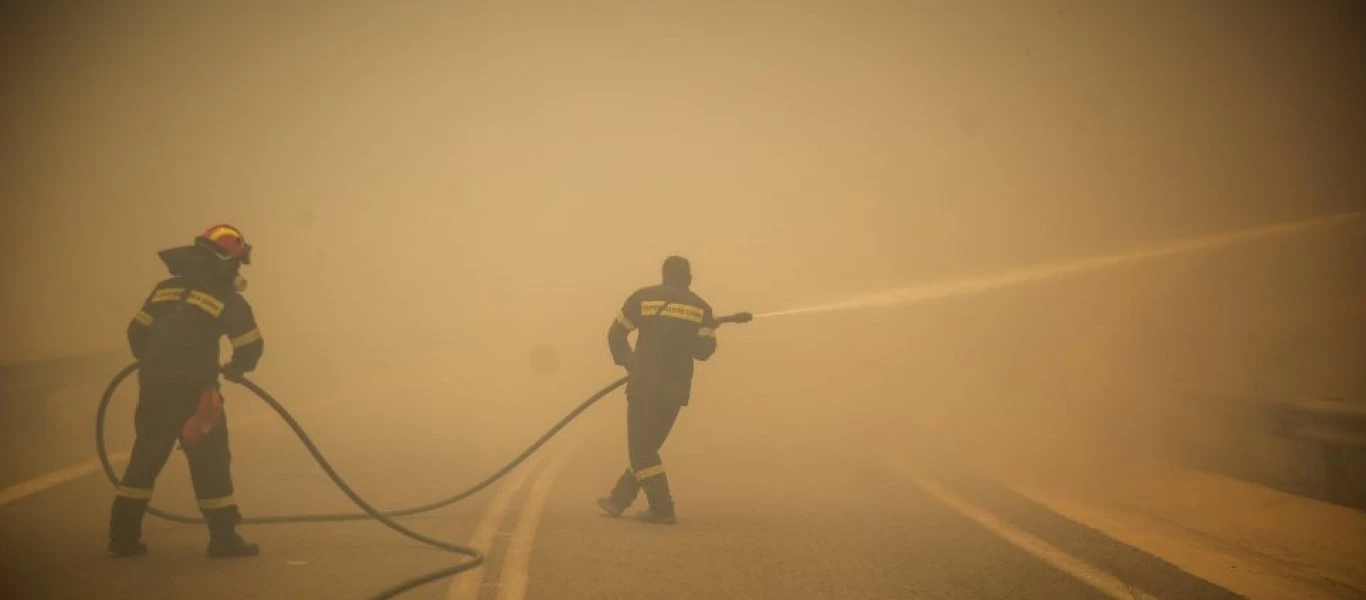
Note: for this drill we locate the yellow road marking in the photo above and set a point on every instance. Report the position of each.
(513, 580)
(465, 586)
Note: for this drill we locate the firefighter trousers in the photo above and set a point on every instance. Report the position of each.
(161, 411)
(648, 423)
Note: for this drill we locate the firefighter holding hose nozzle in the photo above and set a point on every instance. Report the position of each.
(175, 337)
(674, 327)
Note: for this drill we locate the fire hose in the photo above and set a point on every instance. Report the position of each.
(369, 512)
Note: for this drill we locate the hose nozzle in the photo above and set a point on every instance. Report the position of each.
(740, 317)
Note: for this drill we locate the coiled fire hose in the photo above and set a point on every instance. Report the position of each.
(386, 518)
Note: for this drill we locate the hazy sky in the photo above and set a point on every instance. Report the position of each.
(454, 179)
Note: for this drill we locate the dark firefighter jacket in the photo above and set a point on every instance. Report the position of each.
(176, 334)
(667, 342)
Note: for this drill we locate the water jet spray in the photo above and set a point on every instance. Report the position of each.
(985, 283)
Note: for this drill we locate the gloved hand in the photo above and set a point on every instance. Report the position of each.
(230, 373)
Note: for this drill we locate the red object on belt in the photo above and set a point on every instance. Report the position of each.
(205, 419)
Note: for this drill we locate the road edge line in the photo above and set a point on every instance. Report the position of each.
(1101, 581)
(52, 479)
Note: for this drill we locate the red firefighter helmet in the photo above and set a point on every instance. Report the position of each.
(227, 243)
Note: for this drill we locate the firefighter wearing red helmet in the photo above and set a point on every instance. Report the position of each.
(175, 336)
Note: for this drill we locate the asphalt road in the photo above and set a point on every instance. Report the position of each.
(794, 513)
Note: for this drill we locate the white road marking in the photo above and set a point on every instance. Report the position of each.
(53, 479)
(514, 578)
(466, 586)
(1100, 580)
(30, 487)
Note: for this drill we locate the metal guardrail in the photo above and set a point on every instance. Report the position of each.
(1334, 429)
(1334, 421)
(1339, 426)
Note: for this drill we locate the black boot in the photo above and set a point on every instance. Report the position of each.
(609, 507)
(232, 546)
(125, 527)
(661, 509)
(126, 549)
(224, 542)
(656, 517)
(623, 494)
